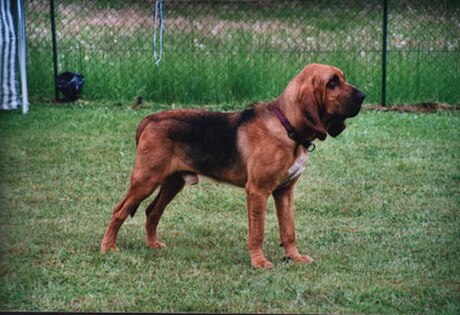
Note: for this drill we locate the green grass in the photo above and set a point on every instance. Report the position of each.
(218, 52)
(377, 208)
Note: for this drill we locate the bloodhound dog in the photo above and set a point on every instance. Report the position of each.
(262, 149)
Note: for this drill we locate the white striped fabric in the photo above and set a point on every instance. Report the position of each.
(9, 81)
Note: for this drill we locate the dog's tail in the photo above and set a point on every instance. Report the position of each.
(141, 127)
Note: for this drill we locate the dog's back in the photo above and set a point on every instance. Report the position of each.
(208, 139)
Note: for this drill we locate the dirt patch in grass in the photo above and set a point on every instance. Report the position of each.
(415, 108)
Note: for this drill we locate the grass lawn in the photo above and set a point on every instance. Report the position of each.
(377, 208)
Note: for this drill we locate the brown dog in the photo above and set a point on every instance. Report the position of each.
(262, 149)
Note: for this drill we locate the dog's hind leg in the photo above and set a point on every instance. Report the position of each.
(170, 187)
(139, 189)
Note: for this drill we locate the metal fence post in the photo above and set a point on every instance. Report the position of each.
(55, 56)
(384, 52)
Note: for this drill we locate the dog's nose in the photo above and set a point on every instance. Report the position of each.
(360, 95)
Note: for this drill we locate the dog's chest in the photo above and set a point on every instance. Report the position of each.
(297, 167)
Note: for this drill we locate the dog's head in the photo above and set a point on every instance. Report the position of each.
(325, 99)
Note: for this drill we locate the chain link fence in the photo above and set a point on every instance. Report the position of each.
(229, 51)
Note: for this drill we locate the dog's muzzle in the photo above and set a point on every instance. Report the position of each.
(354, 105)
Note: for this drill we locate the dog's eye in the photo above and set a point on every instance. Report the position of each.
(333, 83)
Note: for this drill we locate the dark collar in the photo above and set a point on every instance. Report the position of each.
(292, 133)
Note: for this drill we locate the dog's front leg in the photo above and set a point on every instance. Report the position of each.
(257, 203)
(284, 202)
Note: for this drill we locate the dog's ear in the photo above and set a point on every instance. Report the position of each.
(336, 128)
(310, 100)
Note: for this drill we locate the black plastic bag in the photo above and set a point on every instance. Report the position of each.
(70, 84)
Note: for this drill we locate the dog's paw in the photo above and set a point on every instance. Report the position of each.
(261, 264)
(156, 245)
(109, 248)
(303, 259)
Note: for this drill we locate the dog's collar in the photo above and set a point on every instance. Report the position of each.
(292, 133)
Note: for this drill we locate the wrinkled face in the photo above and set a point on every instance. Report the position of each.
(326, 95)
(340, 98)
